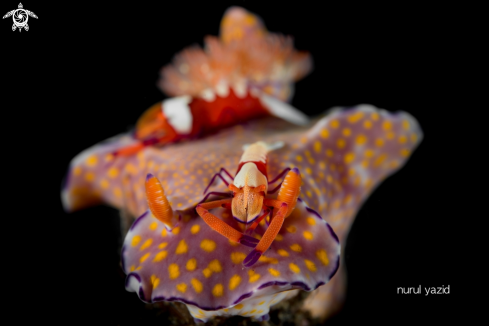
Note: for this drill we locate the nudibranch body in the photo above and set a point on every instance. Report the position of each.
(244, 74)
(342, 158)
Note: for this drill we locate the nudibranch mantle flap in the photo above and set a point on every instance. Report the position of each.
(195, 265)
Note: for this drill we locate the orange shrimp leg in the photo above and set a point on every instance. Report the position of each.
(218, 174)
(253, 226)
(220, 226)
(268, 237)
(277, 178)
(285, 202)
(222, 194)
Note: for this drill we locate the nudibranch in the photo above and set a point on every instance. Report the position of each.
(244, 74)
(342, 157)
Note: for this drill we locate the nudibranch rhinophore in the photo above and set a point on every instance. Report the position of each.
(342, 157)
(244, 74)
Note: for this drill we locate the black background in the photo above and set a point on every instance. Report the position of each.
(84, 73)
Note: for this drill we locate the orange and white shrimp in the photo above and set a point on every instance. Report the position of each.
(250, 187)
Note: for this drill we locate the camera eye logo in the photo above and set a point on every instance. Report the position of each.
(20, 17)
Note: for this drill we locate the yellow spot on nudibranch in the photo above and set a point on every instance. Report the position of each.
(291, 228)
(237, 257)
(265, 259)
(182, 247)
(77, 171)
(317, 146)
(405, 124)
(310, 265)
(346, 132)
(361, 139)
(160, 256)
(379, 142)
(341, 143)
(195, 228)
(414, 137)
(405, 152)
(380, 159)
(198, 287)
(329, 153)
(308, 235)
(294, 268)
(142, 259)
(118, 192)
(104, 184)
(92, 160)
(335, 123)
(322, 256)
(387, 125)
(182, 287)
(176, 230)
(155, 281)
(402, 139)
(146, 244)
(279, 237)
(324, 133)
(253, 277)
(113, 172)
(132, 268)
(135, 240)
(153, 226)
(234, 282)
(218, 290)
(162, 245)
(355, 117)
(283, 253)
(296, 247)
(173, 271)
(191, 264)
(349, 157)
(215, 266)
(208, 245)
(367, 124)
(298, 158)
(238, 306)
(207, 272)
(89, 176)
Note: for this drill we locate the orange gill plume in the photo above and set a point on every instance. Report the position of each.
(245, 54)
